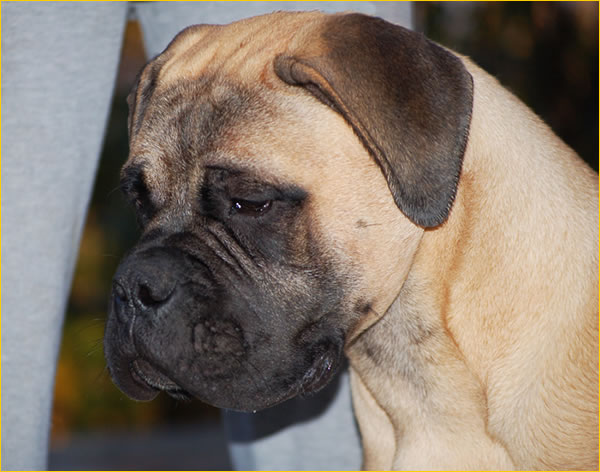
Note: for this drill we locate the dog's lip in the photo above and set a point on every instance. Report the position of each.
(149, 377)
(321, 371)
(319, 374)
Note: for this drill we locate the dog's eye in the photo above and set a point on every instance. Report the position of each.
(250, 208)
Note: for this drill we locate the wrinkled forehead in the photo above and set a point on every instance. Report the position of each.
(190, 114)
(189, 124)
(185, 98)
(195, 124)
(213, 97)
(243, 49)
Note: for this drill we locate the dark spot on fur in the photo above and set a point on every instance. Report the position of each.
(363, 307)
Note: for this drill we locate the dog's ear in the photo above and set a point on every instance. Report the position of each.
(408, 100)
(140, 95)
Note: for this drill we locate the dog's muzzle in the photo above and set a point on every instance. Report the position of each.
(153, 334)
(173, 327)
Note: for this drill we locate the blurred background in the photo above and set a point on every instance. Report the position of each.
(546, 53)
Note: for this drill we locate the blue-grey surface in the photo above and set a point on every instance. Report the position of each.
(202, 448)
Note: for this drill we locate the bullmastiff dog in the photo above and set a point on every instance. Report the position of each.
(311, 187)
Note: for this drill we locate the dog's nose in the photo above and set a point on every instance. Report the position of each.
(142, 285)
(141, 296)
(144, 294)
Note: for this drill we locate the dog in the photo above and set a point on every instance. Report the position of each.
(315, 186)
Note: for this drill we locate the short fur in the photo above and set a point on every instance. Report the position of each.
(351, 186)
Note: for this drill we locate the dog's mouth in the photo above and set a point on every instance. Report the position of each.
(322, 369)
(151, 380)
(147, 376)
(143, 380)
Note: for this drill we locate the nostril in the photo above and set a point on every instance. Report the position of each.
(145, 296)
(150, 298)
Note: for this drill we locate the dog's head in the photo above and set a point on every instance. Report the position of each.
(283, 170)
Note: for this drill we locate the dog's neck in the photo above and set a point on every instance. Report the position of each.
(407, 375)
(474, 287)
(409, 372)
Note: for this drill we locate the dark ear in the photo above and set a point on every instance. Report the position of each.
(408, 100)
(140, 95)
